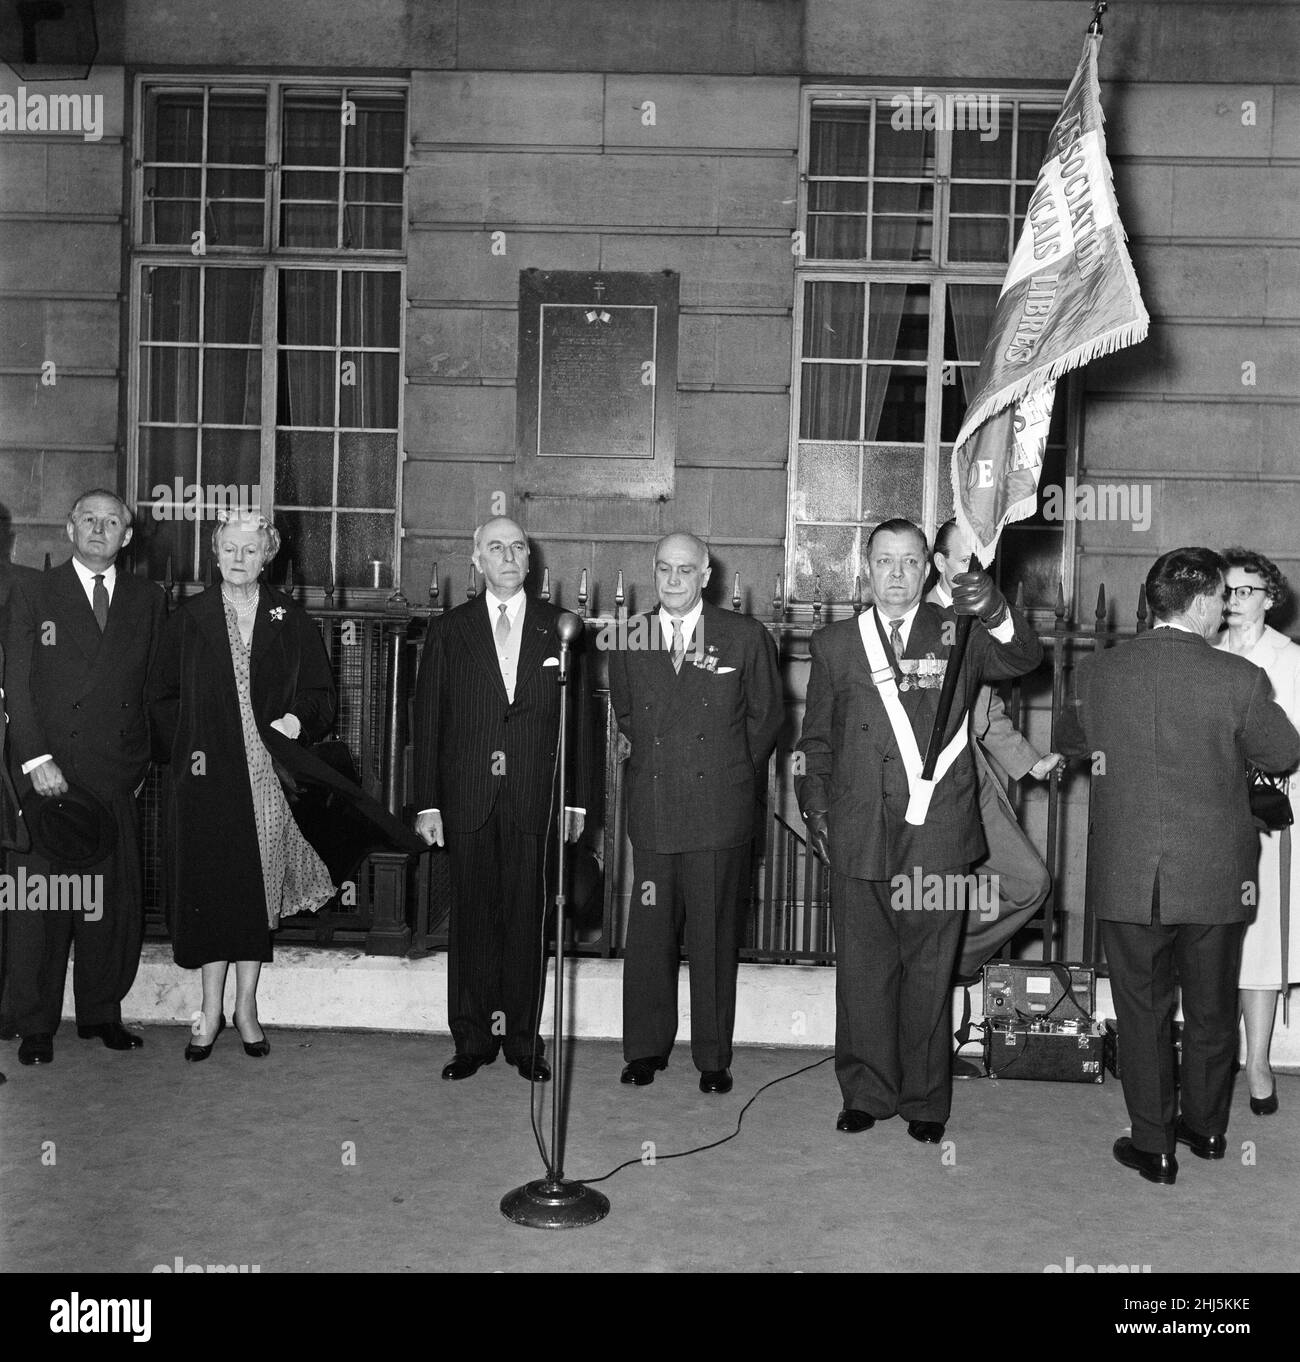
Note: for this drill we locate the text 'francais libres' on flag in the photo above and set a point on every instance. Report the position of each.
(1070, 295)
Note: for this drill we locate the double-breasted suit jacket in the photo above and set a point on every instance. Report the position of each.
(700, 739)
(77, 695)
(853, 769)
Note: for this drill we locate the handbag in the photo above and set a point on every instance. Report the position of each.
(1269, 805)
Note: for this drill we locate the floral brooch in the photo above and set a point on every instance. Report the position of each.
(277, 614)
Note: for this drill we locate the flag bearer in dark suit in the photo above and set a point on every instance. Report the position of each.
(81, 638)
(697, 693)
(895, 956)
(1169, 723)
(486, 707)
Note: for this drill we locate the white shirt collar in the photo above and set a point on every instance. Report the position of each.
(942, 596)
(689, 620)
(904, 621)
(514, 606)
(87, 577)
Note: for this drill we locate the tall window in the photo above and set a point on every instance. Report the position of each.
(911, 202)
(268, 295)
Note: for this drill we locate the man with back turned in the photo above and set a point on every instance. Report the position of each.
(1170, 723)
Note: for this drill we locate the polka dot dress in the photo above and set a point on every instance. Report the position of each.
(295, 877)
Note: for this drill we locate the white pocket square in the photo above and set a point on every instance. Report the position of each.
(720, 670)
(551, 662)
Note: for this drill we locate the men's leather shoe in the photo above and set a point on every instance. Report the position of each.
(715, 1080)
(535, 1070)
(928, 1132)
(1203, 1146)
(1161, 1168)
(963, 1068)
(37, 1049)
(854, 1122)
(465, 1066)
(642, 1071)
(114, 1035)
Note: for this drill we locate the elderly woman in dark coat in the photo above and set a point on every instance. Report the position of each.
(239, 668)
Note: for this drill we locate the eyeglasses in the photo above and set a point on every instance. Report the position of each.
(1242, 593)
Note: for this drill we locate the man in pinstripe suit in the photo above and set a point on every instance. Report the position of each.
(486, 708)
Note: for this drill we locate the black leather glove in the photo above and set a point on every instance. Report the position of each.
(973, 593)
(819, 837)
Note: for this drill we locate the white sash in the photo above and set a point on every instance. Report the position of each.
(882, 673)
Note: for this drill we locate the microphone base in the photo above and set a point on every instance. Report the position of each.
(554, 1205)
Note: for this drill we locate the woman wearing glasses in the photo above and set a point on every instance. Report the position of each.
(1255, 586)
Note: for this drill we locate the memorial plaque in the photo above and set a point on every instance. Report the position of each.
(597, 383)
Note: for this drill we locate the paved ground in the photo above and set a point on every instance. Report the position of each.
(344, 1151)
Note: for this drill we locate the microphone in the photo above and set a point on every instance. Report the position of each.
(568, 627)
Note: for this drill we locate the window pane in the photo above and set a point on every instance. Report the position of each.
(367, 470)
(312, 130)
(169, 380)
(233, 458)
(169, 223)
(235, 224)
(372, 229)
(167, 544)
(306, 544)
(372, 308)
(232, 306)
(900, 322)
(832, 319)
(838, 196)
(371, 399)
(235, 184)
(895, 404)
(237, 128)
(363, 539)
(979, 198)
(1031, 140)
(903, 153)
(378, 138)
(165, 455)
(973, 158)
(837, 238)
(893, 483)
(308, 382)
(172, 182)
(174, 126)
(307, 307)
(831, 404)
(304, 468)
(901, 238)
(169, 304)
(232, 387)
(309, 225)
(979, 239)
(840, 141)
(319, 185)
(944, 508)
(828, 552)
(827, 483)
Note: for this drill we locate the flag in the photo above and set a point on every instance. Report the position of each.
(1070, 295)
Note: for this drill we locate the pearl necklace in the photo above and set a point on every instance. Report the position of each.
(240, 609)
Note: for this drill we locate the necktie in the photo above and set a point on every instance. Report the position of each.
(679, 647)
(99, 602)
(503, 627)
(896, 636)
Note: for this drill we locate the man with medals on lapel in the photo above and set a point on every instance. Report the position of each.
(887, 834)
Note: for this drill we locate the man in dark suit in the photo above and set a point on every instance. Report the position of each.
(486, 707)
(697, 693)
(1170, 723)
(81, 638)
(872, 700)
(1013, 867)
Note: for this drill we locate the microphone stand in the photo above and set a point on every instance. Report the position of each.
(552, 1203)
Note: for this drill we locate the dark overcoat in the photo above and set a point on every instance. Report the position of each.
(1172, 723)
(216, 892)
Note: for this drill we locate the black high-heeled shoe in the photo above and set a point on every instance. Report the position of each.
(194, 1053)
(1265, 1106)
(258, 1049)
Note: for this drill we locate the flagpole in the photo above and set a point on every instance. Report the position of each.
(946, 696)
(1098, 9)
